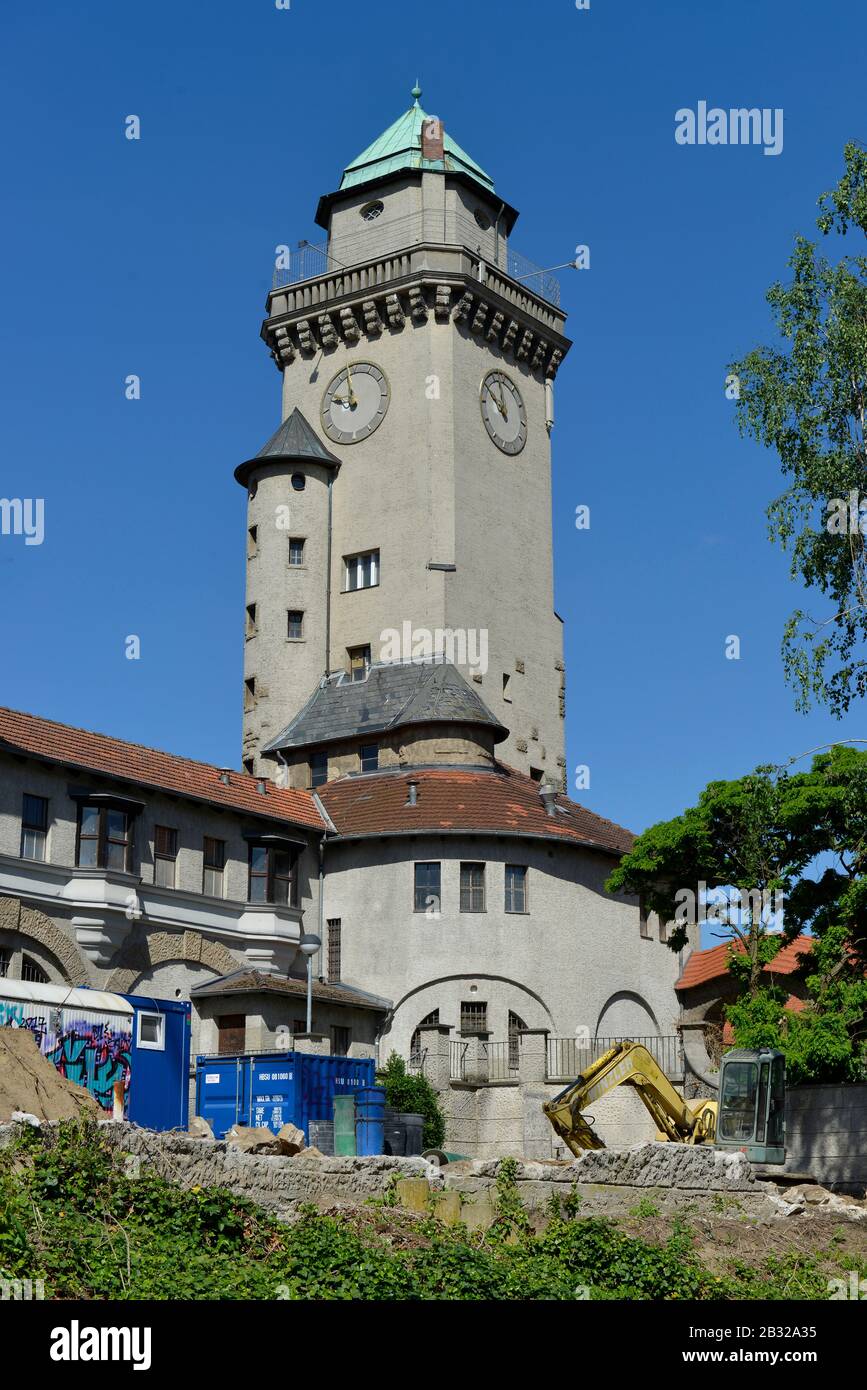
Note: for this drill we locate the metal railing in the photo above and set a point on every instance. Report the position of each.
(502, 1061)
(390, 236)
(417, 1062)
(569, 1057)
(458, 1060)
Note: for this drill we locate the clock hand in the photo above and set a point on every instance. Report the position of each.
(352, 400)
(502, 405)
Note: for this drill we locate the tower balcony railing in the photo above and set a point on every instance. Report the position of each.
(389, 236)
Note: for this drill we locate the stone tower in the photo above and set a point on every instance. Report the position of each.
(418, 368)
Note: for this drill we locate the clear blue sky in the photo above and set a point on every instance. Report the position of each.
(154, 258)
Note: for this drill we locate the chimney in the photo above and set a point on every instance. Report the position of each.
(412, 793)
(548, 795)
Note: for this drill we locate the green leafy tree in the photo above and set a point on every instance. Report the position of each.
(734, 838)
(410, 1093)
(806, 398)
(805, 835)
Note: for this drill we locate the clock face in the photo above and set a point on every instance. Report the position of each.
(503, 412)
(355, 403)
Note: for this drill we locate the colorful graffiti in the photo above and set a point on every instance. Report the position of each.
(91, 1052)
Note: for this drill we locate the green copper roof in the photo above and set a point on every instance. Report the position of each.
(399, 148)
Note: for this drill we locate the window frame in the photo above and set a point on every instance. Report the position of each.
(31, 828)
(356, 653)
(468, 891)
(296, 541)
(516, 911)
(140, 1042)
(164, 856)
(318, 760)
(298, 636)
(103, 839)
(469, 1007)
(353, 568)
(425, 889)
(274, 873)
(213, 867)
(361, 758)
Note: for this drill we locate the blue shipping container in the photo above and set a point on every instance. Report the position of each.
(271, 1089)
(160, 1062)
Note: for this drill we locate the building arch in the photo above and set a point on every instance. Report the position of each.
(626, 1014)
(136, 959)
(25, 931)
(443, 995)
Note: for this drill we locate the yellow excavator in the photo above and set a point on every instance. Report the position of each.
(749, 1116)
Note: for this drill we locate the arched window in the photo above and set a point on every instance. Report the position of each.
(416, 1056)
(31, 970)
(516, 1024)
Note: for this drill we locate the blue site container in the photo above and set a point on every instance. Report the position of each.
(159, 1093)
(370, 1120)
(271, 1089)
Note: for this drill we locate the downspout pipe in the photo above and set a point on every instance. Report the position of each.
(328, 584)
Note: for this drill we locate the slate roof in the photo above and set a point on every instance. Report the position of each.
(148, 767)
(294, 442)
(258, 981)
(711, 964)
(394, 694)
(399, 148)
(451, 799)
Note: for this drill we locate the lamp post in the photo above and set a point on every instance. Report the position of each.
(308, 946)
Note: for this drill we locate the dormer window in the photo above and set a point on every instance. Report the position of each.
(371, 211)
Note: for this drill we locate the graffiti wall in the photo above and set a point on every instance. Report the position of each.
(89, 1048)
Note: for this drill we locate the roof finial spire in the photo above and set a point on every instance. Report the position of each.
(416, 91)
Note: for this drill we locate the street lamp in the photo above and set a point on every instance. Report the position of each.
(308, 946)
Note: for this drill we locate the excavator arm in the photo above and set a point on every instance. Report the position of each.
(630, 1064)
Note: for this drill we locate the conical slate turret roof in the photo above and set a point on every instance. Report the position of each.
(294, 442)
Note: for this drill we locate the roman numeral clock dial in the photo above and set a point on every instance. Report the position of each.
(355, 403)
(503, 412)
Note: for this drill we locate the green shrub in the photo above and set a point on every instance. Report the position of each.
(412, 1094)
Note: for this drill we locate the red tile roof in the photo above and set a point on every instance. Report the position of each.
(147, 767)
(451, 799)
(713, 963)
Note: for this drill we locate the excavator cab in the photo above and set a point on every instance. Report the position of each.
(752, 1095)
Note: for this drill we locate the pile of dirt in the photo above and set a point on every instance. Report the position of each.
(30, 1083)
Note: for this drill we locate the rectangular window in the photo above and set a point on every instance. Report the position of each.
(250, 627)
(362, 571)
(427, 895)
(151, 1032)
(214, 861)
(516, 888)
(507, 687)
(249, 693)
(103, 838)
(296, 551)
(252, 541)
(472, 888)
(5, 962)
(474, 1016)
(643, 922)
(272, 875)
(359, 662)
(334, 948)
(295, 625)
(318, 769)
(231, 1033)
(340, 1040)
(369, 757)
(165, 855)
(34, 827)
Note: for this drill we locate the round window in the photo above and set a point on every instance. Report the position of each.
(482, 219)
(371, 211)
(299, 482)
